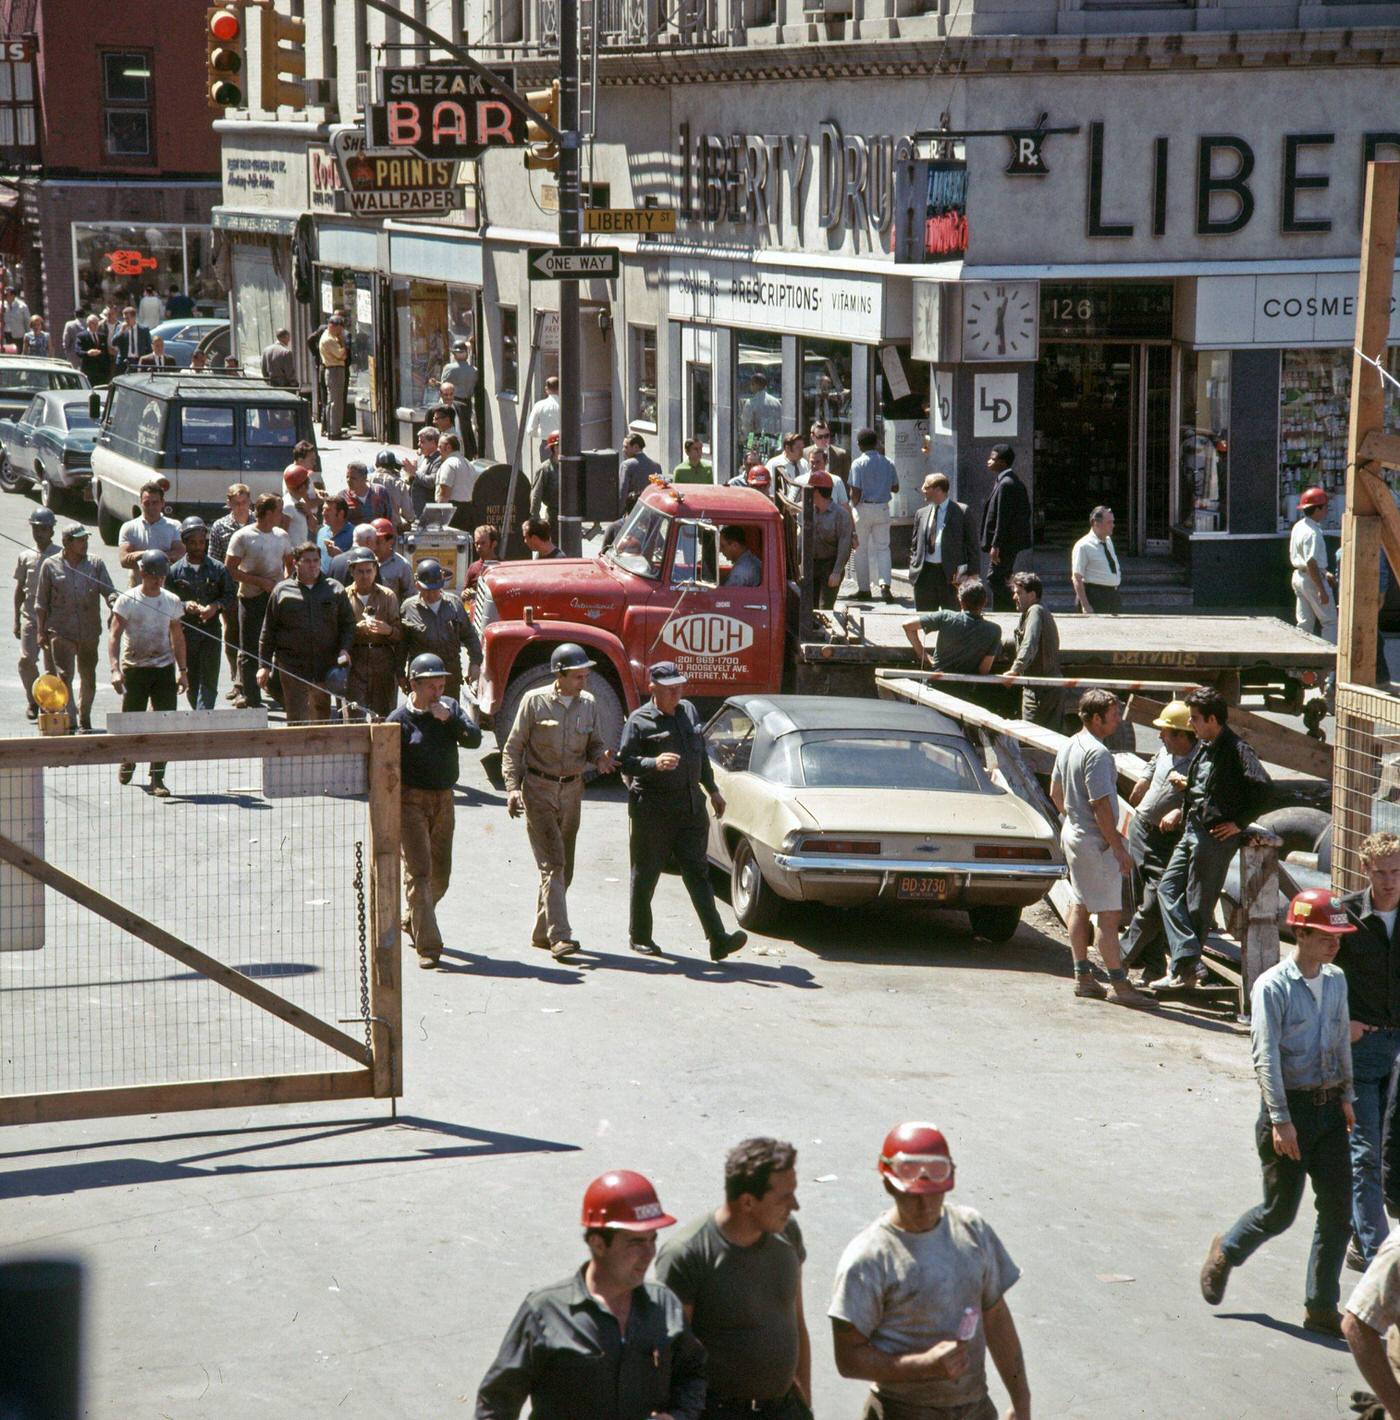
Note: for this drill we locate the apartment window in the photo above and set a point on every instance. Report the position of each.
(508, 376)
(126, 95)
(17, 107)
(642, 362)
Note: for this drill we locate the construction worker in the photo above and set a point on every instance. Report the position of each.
(920, 1296)
(663, 756)
(1299, 1036)
(69, 622)
(27, 568)
(374, 655)
(1314, 587)
(433, 728)
(435, 622)
(603, 1344)
(553, 740)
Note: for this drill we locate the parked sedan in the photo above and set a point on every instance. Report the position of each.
(183, 336)
(847, 802)
(50, 445)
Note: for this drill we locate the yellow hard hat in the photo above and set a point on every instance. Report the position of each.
(50, 693)
(1176, 716)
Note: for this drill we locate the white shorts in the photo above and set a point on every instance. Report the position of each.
(1095, 882)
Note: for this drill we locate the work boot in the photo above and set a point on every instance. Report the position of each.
(125, 772)
(1355, 1261)
(158, 789)
(1089, 987)
(428, 960)
(727, 945)
(1323, 1323)
(565, 946)
(1126, 994)
(886, 593)
(32, 713)
(1193, 977)
(85, 727)
(1216, 1273)
(646, 949)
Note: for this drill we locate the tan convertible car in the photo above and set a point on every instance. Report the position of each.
(845, 802)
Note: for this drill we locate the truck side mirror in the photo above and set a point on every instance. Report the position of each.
(95, 405)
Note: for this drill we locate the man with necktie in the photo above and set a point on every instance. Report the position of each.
(130, 341)
(944, 547)
(1094, 567)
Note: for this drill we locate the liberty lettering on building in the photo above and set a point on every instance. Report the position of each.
(763, 180)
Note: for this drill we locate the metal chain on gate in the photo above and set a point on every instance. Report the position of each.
(364, 946)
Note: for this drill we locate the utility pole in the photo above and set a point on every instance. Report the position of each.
(569, 532)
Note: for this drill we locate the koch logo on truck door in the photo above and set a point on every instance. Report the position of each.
(708, 634)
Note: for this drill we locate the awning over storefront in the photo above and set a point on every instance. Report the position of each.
(434, 257)
(262, 221)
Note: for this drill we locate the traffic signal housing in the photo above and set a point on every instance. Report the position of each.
(283, 54)
(223, 41)
(541, 150)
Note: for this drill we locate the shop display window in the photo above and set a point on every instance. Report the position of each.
(429, 316)
(114, 261)
(508, 372)
(353, 293)
(642, 373)
(758, 397)
(1204, 448)
(1314, 404)
(826, 388)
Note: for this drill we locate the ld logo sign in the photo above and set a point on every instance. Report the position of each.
(994, 407)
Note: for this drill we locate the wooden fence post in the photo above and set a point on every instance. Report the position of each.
(1259, 899)
(385, 990)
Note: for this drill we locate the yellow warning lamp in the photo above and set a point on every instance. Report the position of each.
(51, 696)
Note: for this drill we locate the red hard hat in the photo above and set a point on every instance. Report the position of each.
(916, 1159)
(820, 479)
(383, 527)
(1318, 909)
(624, 1200)
(1312, 498)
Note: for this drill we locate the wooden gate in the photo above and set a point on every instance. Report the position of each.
(270, 876)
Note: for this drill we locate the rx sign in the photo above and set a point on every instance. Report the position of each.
(1027, 159)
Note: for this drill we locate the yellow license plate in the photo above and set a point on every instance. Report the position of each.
(920, 887)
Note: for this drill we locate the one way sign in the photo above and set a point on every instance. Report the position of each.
(572, 263)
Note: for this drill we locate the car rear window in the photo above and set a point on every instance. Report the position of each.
(76, 416)
(20, 380)
(205, 426)
(865, 759)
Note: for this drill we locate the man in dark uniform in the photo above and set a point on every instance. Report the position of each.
(664, 759)
(1006, 524)
(603, 1344)
(436, 623)
(433, 728)
(207, 590)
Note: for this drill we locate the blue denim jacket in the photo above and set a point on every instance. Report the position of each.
(1295, 1045)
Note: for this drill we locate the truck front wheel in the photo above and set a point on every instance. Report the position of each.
(610, 713)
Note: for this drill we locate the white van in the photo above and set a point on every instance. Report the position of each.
(201, 432)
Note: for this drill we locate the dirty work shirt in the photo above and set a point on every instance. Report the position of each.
(1376, 1300)
(963, 642)
(906, 1291)
(1085, 771)
(745, 1301)
(146, 634)
(261, 554)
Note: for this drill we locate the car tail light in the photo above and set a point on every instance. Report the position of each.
(1019, 851)
(851, 846)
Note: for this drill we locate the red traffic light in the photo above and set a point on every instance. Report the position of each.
(225, 25)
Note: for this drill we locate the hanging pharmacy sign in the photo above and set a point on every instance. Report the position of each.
(379, 182)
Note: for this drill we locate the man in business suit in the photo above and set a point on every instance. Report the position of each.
(1006, 525)
(130, 341)
(943, 550)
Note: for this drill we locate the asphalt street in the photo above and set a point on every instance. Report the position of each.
(324, 1260)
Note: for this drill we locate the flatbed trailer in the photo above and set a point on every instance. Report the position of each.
(1239, 654)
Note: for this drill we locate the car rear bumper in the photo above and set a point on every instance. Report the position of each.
(845, 882)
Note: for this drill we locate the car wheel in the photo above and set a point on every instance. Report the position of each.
(54, 499)
(995, 923)
(755, 904)
(11, 479)
(109, 528)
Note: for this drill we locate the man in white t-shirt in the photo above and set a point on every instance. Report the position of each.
(1369, 1322)
(259, 556)
(456, 478)
(1314, 587)
(151, 531)
(920, 1295)
(1094, 567)
(146, 650)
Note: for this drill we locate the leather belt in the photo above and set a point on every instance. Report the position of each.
(553, 778)
(1324, 1094)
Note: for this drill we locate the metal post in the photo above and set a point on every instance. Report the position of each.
(569, 532)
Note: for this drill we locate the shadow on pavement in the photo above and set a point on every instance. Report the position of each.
(734, 971)
(474, 964)
(1272, 1323)
(124, 1172)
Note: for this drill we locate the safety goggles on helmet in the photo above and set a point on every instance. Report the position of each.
(918, 1168)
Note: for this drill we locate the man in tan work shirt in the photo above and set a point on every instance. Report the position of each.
(375, 654)
(334, 356)
(553, 740)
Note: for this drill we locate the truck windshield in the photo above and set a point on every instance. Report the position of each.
(640, 544)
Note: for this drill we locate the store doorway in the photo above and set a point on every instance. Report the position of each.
(1103, 436)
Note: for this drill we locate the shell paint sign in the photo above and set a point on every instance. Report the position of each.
(709, 645)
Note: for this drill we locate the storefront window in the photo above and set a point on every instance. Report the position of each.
(429, 316)
(642, 369)
(1204, 455)
(508, 373)
(701, 407)
(826, 388)
(758, 396)
(353, 293)
(1314, 402)
(114, 262)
